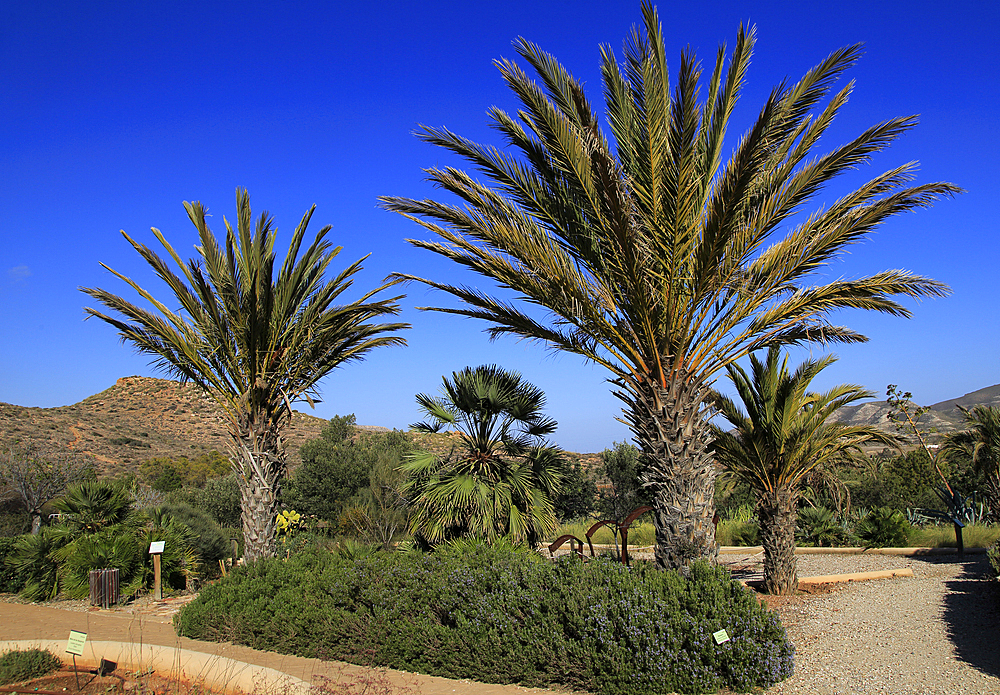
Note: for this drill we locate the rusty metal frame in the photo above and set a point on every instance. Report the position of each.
(622, 528)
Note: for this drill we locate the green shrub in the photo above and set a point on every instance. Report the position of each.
(207, 537)
(994, 556)
(883, 527)
(503, 616)
(11, 581)
(31, 560)
(736, 532)
(819, 527)
(24, 664)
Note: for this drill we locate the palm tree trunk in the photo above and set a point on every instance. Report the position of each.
(778, 511)
(671, 428)
(260, 475)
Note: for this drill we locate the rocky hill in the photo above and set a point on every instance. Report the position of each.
(136, 419)
(942, 418)
(141, 418)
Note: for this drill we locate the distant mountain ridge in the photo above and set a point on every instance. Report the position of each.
(136, 419)
(942, 418)
(140, 418)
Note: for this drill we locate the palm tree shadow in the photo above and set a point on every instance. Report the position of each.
(971, 614)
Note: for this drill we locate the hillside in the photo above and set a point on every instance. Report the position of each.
(141, 418)
(136, 419)
(942, 418)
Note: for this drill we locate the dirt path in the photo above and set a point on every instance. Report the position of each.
(32, 621)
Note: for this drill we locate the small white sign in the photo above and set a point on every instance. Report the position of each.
(721, 636)
(76, 642)
(156, 547)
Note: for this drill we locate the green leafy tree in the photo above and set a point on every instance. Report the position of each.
(903, 482)
(980, 442)
(500, 481)
(623, 492)
(332, 471)
(254, 337)
(653, 255)
(340, 464)
(577, 496)
(784, 434)
(168, 474)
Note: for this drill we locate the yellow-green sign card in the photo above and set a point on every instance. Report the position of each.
(76, 642)
(721, 636)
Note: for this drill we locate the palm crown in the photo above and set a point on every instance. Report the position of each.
(253, 339)
(502, 479)
(654, 257)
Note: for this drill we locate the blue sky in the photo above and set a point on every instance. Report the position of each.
(115, 113)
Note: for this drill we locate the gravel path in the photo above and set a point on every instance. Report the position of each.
(935, 633)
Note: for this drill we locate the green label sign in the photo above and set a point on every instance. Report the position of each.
(76, 642)
(721, 636)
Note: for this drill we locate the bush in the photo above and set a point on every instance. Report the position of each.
(739, 533)
(994, 556)
(207, 539)
(220, 499)
(818, 526)
(11, 581)
(502, 616)
(883, 527)
(22, 665)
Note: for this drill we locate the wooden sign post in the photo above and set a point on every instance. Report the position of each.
(156, 549)
(75, 647)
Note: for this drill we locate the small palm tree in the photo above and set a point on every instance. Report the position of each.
(785, 435)
(93, 506)
(981, 442)
(500, 481)
(253, 337)
(653, 255)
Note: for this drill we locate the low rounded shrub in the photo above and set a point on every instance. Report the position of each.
(24, 664)
(883, 527)
(503, 616)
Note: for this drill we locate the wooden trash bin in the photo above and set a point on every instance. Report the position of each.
(104, 588)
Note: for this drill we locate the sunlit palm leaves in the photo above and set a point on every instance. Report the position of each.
(501, 479)
(653, 255)
(255, 337)
(785, 434)
(981, 443)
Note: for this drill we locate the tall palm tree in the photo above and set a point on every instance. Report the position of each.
(784, 436)
(255, 340)
(981, 442)
(501, 480)
(653, 257)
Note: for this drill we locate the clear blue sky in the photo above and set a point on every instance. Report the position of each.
(114, 113)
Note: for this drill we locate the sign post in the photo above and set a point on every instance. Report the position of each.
(156, 549)
(75, 647)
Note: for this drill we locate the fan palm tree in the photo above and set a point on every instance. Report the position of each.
(652, 256)
(785, 435)
(501, 480)
(255, 340)
(981, 442)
